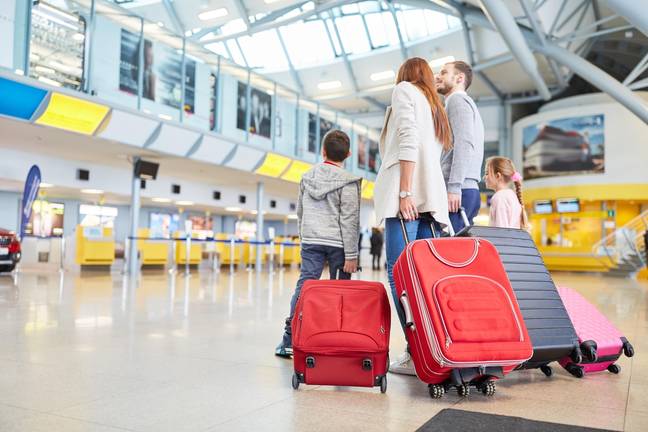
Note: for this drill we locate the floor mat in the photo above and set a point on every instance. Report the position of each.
(450, 420)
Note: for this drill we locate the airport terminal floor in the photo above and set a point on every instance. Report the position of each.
(91, 352)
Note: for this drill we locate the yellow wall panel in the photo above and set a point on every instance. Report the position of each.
(73, 114)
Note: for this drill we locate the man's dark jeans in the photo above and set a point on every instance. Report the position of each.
(313, 259)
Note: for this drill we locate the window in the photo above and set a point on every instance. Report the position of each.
(437, 22)
(336, 41)
(413, 23)
(217, 48)
(382, 29)
(236, 53)
(263, 50)
(354, 38)
(307, 44)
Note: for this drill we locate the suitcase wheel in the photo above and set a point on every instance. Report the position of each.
(436, 391)
(628, 349)
(546, 370)
(613, 368)
(295, 381)
(488, 388)
(463, 390)
(383, 384)
(575, 370)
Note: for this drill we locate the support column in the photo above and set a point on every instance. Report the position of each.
(134, 222)
(259, 236)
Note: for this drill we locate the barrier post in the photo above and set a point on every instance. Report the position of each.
(281, 254)
(62, 265)
(187, 253)
(174, 248)
(232, 255)
(126, 252)
(271, 258)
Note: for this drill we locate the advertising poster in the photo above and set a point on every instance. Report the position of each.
(374, 156)
(46, 219)
(162, 72)
(568, 146)
(315, 142)
(260, 110)
(163, 224)
(363, 146)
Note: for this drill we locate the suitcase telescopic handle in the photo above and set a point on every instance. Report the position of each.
(404, 230)
(409, 321)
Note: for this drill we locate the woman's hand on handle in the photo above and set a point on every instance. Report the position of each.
(408, 209)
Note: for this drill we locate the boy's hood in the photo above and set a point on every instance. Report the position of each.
(324, 178)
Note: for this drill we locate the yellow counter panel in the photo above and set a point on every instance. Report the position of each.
(94, 246)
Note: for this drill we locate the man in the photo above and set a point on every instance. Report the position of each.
(462, 164)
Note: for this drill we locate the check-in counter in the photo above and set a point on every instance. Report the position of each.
(152, 252)
(224, 250)
(291, 253)
(249, 253)
(195, 252)
(94, 246)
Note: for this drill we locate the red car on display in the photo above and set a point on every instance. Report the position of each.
(9, 250)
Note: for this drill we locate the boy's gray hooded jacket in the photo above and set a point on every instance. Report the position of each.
(329, 208)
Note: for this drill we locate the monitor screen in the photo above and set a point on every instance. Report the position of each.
(542, 207)
(568, 205)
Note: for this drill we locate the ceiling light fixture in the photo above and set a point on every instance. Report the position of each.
(292, 216)
(78, 37)
(49, 81)
(184, 203)
(92, 191)
(329, 85)
(441, 61)
(381, 76)
(165, 117)
(46, 185)
(161, 200)
(233, 209)
(212, 14)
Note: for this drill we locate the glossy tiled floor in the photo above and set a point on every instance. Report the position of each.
(94, 353)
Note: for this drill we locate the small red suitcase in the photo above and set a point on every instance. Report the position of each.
(601, 342)
(464, 325)
(341, 334)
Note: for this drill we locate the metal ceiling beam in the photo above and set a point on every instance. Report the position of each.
(638, 70)
(635, 14)
(471, 57)
(173, 16)
(534, 20)
(508, 28)
(323, 7)
(573, 13)
(272, 16)
(349, 67)
(242, 11)
(577, 64)
(293, 71)
(401, 40)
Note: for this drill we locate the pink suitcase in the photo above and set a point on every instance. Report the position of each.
(600, 341)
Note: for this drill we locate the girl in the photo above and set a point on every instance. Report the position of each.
(507, 207)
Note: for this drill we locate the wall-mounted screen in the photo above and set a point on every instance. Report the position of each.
(260, 110)
(567, 146)
(46, 219)
(567, 205)
(98, 216)
(315, 141)
(245, 229)
(542, 207)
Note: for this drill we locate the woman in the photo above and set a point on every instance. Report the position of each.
(410, 181)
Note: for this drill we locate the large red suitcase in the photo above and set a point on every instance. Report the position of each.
(341, 334)
(464, 326)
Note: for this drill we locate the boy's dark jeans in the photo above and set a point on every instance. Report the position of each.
(313, 259)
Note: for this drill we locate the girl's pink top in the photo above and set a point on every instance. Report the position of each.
(505, 210)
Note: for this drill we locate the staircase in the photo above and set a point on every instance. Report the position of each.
(624, 250)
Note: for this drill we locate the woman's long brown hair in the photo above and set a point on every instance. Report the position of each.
(418, 72)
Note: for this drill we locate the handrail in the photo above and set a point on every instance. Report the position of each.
(638, 224)
(214, 240)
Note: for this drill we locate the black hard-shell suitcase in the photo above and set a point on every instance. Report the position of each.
(550, 328)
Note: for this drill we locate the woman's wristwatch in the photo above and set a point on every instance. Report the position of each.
(404, 194)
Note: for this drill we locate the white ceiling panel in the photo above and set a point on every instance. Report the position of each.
(212, 150)
(128, 128)
(245, 158)
(174, 140)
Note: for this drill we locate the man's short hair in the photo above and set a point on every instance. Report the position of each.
(465, 69)
(336, 144)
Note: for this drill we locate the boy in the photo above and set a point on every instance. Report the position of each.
(329, 219)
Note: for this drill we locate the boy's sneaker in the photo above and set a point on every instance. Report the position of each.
(283, 351)
(403, 365)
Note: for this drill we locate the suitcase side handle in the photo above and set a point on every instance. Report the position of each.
(409, 321)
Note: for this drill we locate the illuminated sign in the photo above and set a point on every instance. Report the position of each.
(296, 171)
(72, 114)
(273, 165)
(368, 189)
(19, 100)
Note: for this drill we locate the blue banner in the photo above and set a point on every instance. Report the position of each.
(32, 184)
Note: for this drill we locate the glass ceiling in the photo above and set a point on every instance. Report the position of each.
(356, 28)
